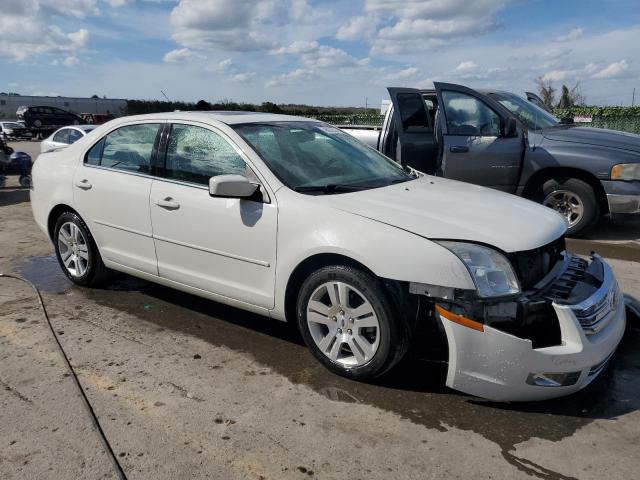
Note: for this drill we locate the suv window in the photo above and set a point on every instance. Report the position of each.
(195, 154)
(127, 148)
(466, 115)
(62, 136)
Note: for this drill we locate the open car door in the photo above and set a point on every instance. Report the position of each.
(410, 138)
(481, 142)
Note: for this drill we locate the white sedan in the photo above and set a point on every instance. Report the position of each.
(295, 220)
(65, 136)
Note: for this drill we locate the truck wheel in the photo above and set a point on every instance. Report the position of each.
(349, 322)
(573, 198)
(37, 123)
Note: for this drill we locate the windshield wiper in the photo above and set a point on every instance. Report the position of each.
(328, 188)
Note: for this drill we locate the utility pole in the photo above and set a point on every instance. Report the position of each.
(366, 102)
(633, 97)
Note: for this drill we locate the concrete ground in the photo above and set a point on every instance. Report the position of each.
(188, 388)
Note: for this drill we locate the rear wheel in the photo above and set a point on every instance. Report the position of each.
(574, 199)
(77, 252)
(349, 322)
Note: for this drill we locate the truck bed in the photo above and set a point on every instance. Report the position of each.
(366, 134)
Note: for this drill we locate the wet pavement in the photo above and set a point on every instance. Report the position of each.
(414, 389)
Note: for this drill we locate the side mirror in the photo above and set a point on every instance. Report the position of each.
(510, 127)
(231, 186)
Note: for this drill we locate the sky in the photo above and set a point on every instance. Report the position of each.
(321, 52)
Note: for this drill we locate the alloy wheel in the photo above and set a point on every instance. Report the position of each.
(343, 324)
(73, 249)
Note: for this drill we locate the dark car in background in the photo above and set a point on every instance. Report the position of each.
(47, 118)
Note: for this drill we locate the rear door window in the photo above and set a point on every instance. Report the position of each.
(128, 148)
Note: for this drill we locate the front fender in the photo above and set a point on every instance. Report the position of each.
(306, 229)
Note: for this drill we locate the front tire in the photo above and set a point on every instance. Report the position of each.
(350, 323)
(573, 198)
(77, 252)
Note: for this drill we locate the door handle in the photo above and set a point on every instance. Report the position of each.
(459, 149)
(84, 184)
(168, 203)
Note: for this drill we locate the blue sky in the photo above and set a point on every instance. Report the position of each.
(325, 52)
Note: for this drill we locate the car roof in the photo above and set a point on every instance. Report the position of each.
(222, 116)
(86, 128)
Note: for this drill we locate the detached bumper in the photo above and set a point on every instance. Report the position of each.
(499, 366)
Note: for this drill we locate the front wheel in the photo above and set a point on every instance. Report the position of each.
(76, 251)
(574, 199)
(349, 322)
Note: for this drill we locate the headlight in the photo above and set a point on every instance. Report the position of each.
(491, 271)
(626, 171)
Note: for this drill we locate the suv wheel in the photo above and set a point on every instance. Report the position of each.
(573, 198)
(77, 252)
(349, 322)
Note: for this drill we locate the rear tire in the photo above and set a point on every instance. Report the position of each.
(350, 323)
(573, 198)
(77, 252)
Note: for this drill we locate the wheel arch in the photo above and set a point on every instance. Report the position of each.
(305, 268)
(538, 178)
(55, 213)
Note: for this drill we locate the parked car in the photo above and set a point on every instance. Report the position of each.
(65, 136)
(47, 118)
(96, 118)
(500, 140)
(294, 219)
(13, 131)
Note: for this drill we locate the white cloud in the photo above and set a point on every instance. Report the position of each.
(400, 75)
(240, 25)
(574, 34)
(419, 24)
(71, 61)
(27, 29)
(296, 76)
(316, 56)
(246, 77)
(613, 70)
(557, 75)
(178, 55)
(358, 28)
(467, 67)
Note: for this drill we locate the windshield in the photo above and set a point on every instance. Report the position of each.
(306, 155)
(531, 115)
(12, 125)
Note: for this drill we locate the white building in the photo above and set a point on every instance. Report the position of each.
(10, 103)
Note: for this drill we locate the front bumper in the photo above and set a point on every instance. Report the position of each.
(622, 197)
(499, 366)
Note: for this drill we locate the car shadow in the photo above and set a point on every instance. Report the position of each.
(615, 229)
(13, 196)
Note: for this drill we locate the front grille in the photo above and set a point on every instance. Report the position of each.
(595, 317)
(533, 265)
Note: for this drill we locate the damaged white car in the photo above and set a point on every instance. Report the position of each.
(296, 220)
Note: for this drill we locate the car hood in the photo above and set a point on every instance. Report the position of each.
(595, 136)
(437, 208)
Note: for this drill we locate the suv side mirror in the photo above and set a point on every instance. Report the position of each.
(231, 186)
(509, 127)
